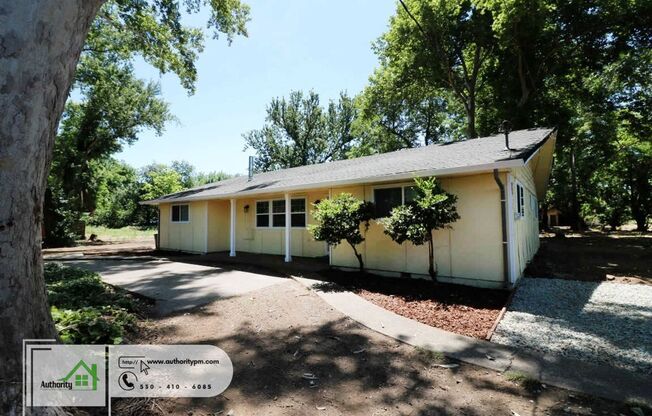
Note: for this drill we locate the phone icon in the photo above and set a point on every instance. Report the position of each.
(127, 380)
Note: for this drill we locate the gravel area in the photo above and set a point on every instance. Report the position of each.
(599, 322)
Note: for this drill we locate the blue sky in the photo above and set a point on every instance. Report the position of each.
(292, 45)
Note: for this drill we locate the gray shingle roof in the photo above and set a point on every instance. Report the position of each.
(473, 155)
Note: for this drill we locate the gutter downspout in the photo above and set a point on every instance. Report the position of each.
(503, 210)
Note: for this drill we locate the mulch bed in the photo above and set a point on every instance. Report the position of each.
(461, 309)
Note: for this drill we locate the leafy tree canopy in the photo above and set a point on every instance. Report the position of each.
(299, 131)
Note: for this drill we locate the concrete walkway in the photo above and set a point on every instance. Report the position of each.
(175, 286)
(597, 380)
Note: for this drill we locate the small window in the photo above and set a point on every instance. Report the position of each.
(386, 199)
(262, 214)
(520, 201)
(278, 213)
(180, 213)
(298, 214)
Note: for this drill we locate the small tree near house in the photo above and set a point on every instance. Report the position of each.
(432, 209)
(339, 219)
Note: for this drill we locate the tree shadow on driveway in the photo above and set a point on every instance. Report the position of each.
(283, 338)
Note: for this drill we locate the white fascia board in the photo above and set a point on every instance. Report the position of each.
(551, 136)
(488, 167)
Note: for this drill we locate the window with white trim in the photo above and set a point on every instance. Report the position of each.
(180, 213)
(271, 214)
(388, 198)
(520, 201)
(262, 214)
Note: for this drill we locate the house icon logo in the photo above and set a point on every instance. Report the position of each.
(82, 377)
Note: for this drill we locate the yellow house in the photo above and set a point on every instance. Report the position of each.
(498, 181)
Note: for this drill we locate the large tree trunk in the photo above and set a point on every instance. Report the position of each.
(40, 43)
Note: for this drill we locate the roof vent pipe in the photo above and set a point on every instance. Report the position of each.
(251, 168)
(506, 128)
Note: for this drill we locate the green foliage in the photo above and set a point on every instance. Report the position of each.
(299, 131)
(58, 220)
(339, 219)
(432, 209)
(112, 106)
(86, 310)
(159, 180)
(584, 67)
(155, 31)
(104, 325)
(117, 195)
(433, 60)
(203, 178)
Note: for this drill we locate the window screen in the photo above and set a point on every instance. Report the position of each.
(520, 201)
(278, 213)
(298, 212)
(262, 214)
(180, 213)
(386, 199)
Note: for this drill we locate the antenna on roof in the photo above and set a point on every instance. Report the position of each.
(506, 128)
(251, 168)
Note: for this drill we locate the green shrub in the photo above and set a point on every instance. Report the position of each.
(432, 209)
(86, 310)
(104, 325)
(339, 219)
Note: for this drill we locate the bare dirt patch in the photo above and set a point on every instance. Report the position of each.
(133, 247)
(464, 310)
(622, 257)
(276, 335)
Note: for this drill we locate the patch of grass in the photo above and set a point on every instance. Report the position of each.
(524, 380)
(86, 310)
(124, 233)
(429, 355)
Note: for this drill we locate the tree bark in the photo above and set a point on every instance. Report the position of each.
(40, 43)
(576, 221)
(431, 259)
(359, 257)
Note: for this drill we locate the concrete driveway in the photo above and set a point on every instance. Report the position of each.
(175, 285)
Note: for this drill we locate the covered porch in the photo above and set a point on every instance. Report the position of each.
(272, 224)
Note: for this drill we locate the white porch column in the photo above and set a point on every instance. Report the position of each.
(232, 231)
(288, 229)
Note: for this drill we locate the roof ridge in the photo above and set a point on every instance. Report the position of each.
(456, 152)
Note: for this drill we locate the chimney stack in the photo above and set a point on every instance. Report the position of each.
(251, 168)
(506, 128)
